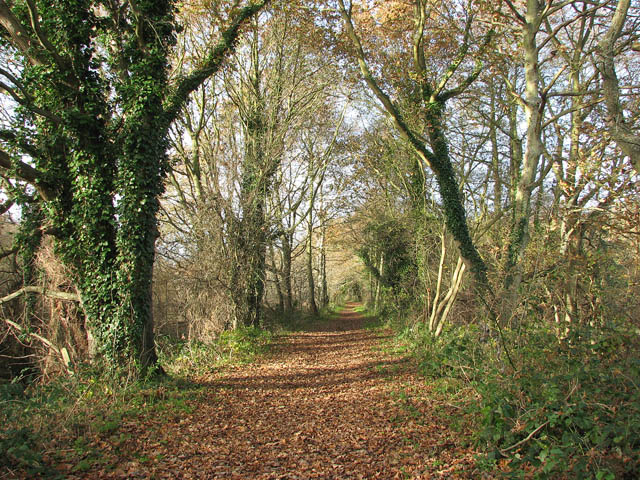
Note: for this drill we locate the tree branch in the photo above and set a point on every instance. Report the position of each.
(27, 173)
(213, 61)
(44, 41)
(10, 136)
(622, 133)
(389, 106)
(72, 297)
(518, 15)
(477, 69)
(462, 52)
(524, 440)
(61, 352)
(18, 35)
(418, 37)
(26, 100)
(4, 208)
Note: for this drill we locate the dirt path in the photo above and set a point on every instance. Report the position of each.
(328, 404)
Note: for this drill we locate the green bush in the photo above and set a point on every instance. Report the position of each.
(245, 343)
(579, 395)
(444, 356)
(18, 449)
(572, 407)
(17, 442)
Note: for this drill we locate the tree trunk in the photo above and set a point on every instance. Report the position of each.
(324, 289)
(436, 297)
(286, 273)
(376, 303)
(447, 302)
(250, 239)
(310, 280)
(495, 158)
(437, 159)
(519, 237)
(276, 280)
(622, 133)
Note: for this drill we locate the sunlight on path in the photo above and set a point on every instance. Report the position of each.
(327, 404)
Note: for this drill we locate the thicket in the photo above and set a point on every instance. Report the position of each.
(569, 408)
(548, 394)
(544, 347)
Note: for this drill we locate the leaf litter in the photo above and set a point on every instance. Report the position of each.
(327, 403)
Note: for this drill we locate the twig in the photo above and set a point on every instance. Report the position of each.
(618, 372)
(34, 335)
(61, 352)
(524, 440)
(530, 436)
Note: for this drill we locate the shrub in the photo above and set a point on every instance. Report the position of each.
(572, 407)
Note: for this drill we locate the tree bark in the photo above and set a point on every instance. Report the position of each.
(286, 273)
(277, 281)
(519, 236)
(622, 133)
(313, 306)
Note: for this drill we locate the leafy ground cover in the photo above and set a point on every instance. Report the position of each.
(327, 402)
(571, 408)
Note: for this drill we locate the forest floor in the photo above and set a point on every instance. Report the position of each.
(326, 403)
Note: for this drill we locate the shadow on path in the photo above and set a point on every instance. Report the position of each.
(326, 404)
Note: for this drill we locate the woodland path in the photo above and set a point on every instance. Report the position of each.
(326, 404)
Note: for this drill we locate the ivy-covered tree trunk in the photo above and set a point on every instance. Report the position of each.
(249, 266)
(250, 262)
(93, 104)
(431, 101)
(260, 107)
(449, 188)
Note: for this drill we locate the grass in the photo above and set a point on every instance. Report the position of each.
(66, 417)
(301, 321)
(237, 347)
(402, 399)
(372, 320)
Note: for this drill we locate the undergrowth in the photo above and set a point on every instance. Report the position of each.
(569, 409)
(240, 346)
